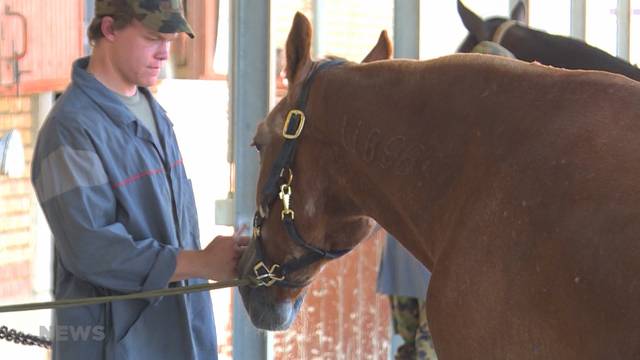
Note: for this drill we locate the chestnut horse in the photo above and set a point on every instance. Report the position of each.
(516, 184)
(533, 45)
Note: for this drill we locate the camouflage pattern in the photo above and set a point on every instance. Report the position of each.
(410, 322)
(492, 48)
(165, 16)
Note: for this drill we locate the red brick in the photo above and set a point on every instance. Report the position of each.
(15, 279)
(16, 247)
(19, 186)
(26, 138)
(21, 236)
(15, 270)
(12, 104)
(15, 204)
(20, 121)
(18, 221)
(24, 104)
(15, 289)
(5, 104)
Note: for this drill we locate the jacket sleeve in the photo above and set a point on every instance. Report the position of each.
(77, 199)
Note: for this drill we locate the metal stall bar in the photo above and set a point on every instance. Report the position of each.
(578, 19)
(624, 27)
(406, 44)
(406, 29)
(249, 103)
(319, 15)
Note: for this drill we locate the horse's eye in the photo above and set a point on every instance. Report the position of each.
(257, 146)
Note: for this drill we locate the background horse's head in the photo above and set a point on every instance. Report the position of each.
(533, 45)
(485, 30)
(292, 240)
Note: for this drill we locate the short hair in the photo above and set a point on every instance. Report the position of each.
(120, 20)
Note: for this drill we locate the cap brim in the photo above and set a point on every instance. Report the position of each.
(177, 25)
(185, 28)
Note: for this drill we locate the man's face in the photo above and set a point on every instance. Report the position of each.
(140, 53)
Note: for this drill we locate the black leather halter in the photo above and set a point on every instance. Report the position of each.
(278, 185)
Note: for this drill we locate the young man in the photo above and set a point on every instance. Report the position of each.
(109, 177)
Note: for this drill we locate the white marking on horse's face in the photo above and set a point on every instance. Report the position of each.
(312, 192)
(310, 209)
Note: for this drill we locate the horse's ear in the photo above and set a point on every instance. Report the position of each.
(519, 12)
(472, 22)
(382, 50)
(298, 48)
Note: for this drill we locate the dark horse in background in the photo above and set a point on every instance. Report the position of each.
(533, 45)
(517, 185)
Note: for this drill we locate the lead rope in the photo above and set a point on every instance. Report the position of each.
(19, 337)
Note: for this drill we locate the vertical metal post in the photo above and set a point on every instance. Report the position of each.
(406, 29)
(624, 29)
(406, 44)
(89, 11)
(578, 19)
(250, 78)
(318, 18)
(42, 280)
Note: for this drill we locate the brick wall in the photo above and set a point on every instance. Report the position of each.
(17, 206)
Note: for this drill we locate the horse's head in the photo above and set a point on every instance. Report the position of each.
(481, 30)
(304, 217)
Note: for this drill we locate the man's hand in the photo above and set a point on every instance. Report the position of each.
(223, 254)
(216, 262)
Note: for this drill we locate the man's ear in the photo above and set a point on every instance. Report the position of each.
(106, 26)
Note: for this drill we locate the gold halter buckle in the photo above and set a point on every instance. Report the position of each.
(293, 113)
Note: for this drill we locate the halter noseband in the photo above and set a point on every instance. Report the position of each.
(278, 185)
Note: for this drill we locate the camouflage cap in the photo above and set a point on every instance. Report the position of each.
(165, 16)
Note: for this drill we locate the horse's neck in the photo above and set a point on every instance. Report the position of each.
(563, 52)
(402, 156)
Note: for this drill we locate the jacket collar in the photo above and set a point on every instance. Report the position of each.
(106, 100)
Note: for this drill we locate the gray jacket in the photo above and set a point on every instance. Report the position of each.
(120, 207)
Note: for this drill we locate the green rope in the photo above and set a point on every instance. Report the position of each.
(104, 299)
